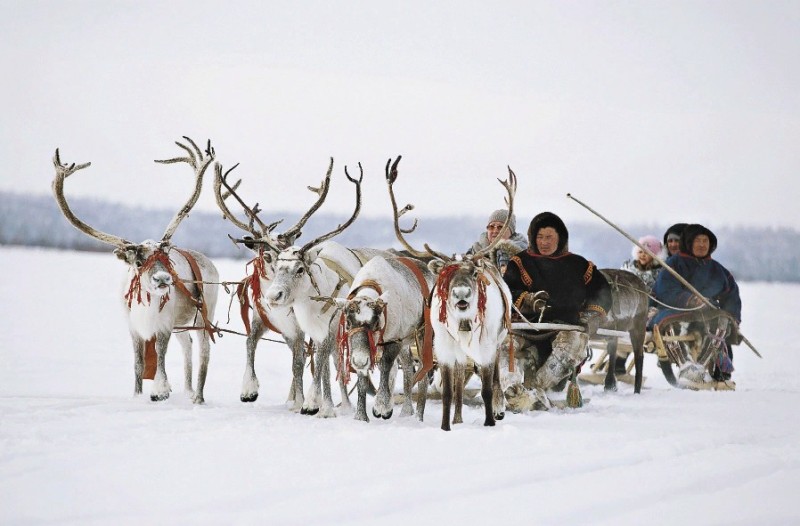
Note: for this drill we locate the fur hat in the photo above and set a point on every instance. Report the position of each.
(651, 242)
(691, 232)
(544, 220)
(500, 216)
(676, 229)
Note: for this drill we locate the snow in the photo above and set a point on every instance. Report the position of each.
(76, 447)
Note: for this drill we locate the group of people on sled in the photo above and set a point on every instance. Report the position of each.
(548, 283)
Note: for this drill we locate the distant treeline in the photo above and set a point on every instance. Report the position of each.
(751, 254)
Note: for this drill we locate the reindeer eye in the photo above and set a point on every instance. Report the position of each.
(267, 258)
(300, 271)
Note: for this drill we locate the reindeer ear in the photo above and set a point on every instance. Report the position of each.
(126, 254)
(435, 265)
(248, 242)
(312, 254)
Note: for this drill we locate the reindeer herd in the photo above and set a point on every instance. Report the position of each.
(360, 307)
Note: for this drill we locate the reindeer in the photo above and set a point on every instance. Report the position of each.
(629, 314)
(470, 317)
(165, 288)
(384, 308)
(303, 278)
(281, 319)
(387, 306)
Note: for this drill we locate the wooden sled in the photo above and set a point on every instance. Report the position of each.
(693, 341)
(597, 371)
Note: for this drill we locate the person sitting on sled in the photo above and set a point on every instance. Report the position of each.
(718, 327)
(512, 242)
(550, 284)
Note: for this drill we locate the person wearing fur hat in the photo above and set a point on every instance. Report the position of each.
(642, 264)
(511, 243)
(551, 284)
(718, 326)
(672, 238)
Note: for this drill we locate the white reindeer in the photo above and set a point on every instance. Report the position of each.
(162, 290)
(470, 311)
(279, 318)
(387, 307)
(384, 308)
(304, 275)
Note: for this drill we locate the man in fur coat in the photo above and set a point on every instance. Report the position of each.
(550, 284)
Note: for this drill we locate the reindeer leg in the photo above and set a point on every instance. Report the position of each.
(297, 344)
(202, 371)
(637, 340)
(161, 388)
(345, 406)
(458, 388)
(361, 403)
(311, 403)
(138, 363)
(250, 381)
(447, 394)
(611, 375)
(498, 400)
(324, 365)
(487, 377)
(408, 378)
(185, 340)
(422, 397)
(383, 407)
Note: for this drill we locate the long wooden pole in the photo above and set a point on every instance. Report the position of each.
(662, 263)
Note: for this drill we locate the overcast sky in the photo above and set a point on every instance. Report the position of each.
(649, 111)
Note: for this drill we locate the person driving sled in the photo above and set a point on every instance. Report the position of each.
(551, 284)
(718, 327)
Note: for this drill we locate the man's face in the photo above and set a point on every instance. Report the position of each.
(493, 230)
(547, 241)
(700, 246)
(673, 244)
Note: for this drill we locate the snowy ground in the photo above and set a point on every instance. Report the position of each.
(77, 448)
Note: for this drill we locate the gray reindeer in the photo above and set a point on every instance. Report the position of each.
(267, 245)
(166, 287)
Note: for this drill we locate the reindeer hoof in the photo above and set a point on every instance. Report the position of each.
(500, 416)
(159, 397)
(249, 398)
(309, 411)
(489, 423)
(198, 399)
(385, 416)
(362, 417)
(610, 387)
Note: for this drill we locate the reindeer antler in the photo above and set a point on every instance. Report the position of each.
(510, 185)
(293, 232)
(199, 162)
(62, 172)
(391, 177)
(347, 223)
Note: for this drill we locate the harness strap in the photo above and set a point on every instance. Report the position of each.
(427, 344)
(198, 301)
